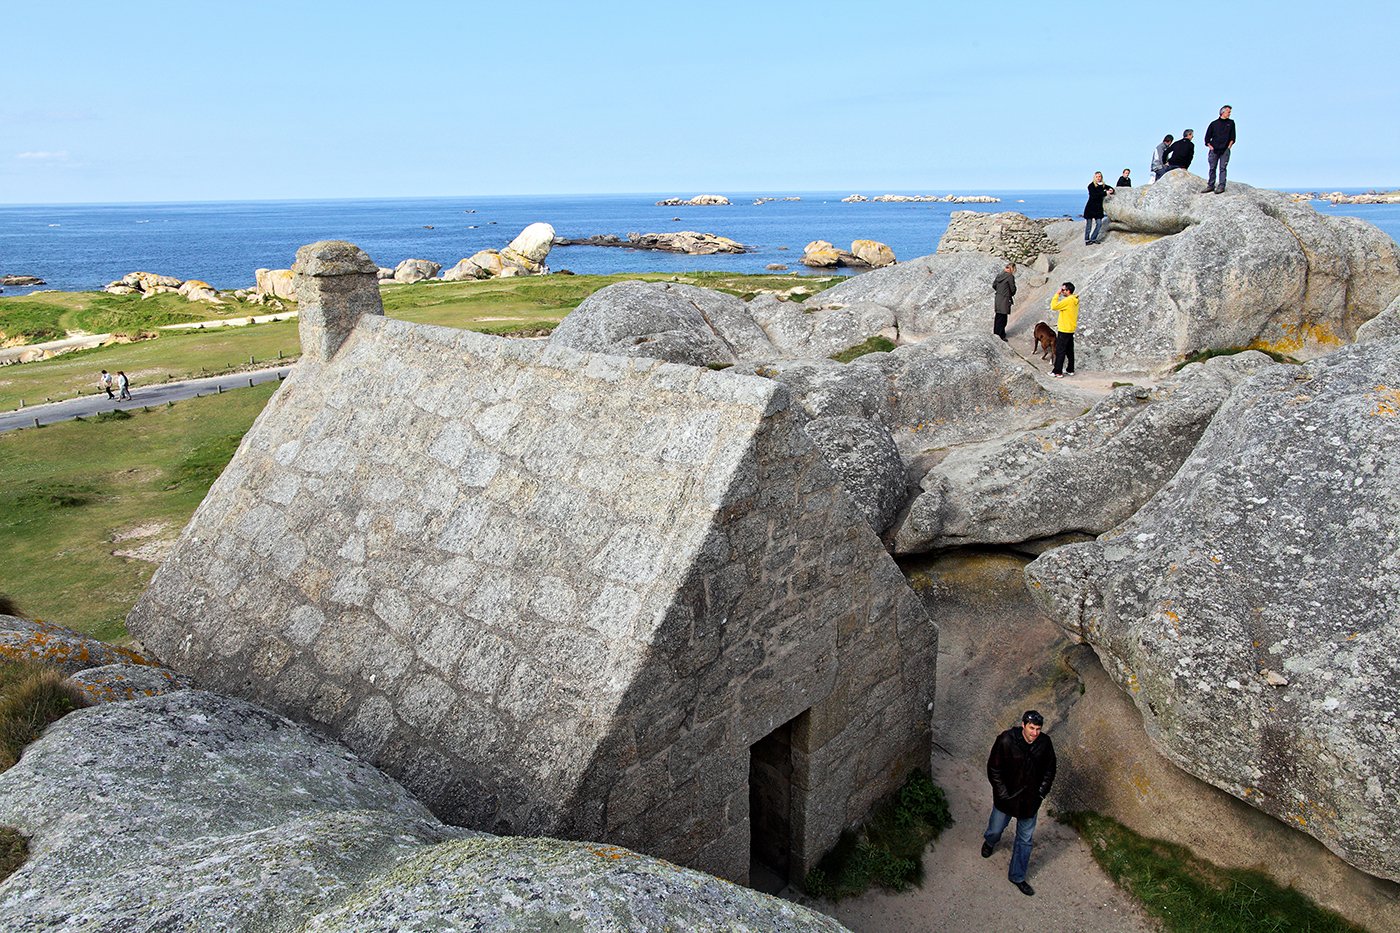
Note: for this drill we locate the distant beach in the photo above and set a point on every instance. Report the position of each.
(77, 247)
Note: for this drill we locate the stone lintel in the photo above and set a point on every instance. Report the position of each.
(336, 285)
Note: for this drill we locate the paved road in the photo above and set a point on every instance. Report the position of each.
(157, 394)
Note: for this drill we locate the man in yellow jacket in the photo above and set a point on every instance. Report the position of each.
(1067, 303)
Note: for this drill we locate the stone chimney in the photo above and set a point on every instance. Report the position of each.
(336, 283)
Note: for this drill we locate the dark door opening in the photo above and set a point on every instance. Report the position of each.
(770, 809)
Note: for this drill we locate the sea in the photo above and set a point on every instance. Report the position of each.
(74, 247)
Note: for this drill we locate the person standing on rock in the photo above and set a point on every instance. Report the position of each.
(1004, 287)
(123, 385)
(1159, 158)
(1123, 180)
(1180, 153)
(1066, 302)
(1093, 209)
(1220, 139)
(106, 383)
(1021, 769)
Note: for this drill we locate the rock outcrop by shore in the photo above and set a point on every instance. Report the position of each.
(21, 281)
(147, 284)
(924, 199)
(525, 255)
(681, 241)
(863, 254)
(700, 200)
(1337, 197)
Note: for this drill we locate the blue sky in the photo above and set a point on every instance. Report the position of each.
(167, 102)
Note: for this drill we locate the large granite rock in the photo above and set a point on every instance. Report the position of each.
(59, 647)
(1083, 475)
(194, 812)
(691, 242)
(1383, 326)
(873, 253)
(527, 252)
(415, 270)
(1252, 607)
(1249, 268)
(667, 321)
(275, 283)
(196, 290)
(864, 455)
(191, 811)
(543, 884)
(930, 296)
(794, 329)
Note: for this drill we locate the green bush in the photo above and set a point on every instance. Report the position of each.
(1202, 355)
(1191, 895)
(31, 696)
(888, 849)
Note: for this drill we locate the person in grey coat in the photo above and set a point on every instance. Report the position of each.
(1004, 287)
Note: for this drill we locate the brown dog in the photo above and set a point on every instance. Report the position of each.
(1044, 336)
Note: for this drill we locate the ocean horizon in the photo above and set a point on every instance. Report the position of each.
(77, 247)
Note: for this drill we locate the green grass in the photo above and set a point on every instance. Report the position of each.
(888, 849)
(50, 315)
(13, 851)
(1191, 895)
(28, 322)
(67, 490)
(32, 695)
(876, 344)
(1202, 355)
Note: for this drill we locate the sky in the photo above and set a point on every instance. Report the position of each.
(144, 102)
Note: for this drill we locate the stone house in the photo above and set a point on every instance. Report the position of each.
(552, 592)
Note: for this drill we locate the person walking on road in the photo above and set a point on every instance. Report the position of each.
(106, 383)
(123, 385)
(1159, 158)
(1004, 287)
(1180, 153)
(1021, 769)
(1093, 209)
(1066, 302)
(1220, 139)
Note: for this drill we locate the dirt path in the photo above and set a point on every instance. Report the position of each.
(963, 891)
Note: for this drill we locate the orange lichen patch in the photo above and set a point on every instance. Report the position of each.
(612, 853)
(1387, 402)
(1297, 336)
(1216, 559)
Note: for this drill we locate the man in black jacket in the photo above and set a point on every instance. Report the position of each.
(1180, 153)
(1004, 287)
(1021, 769)
(1220, 139)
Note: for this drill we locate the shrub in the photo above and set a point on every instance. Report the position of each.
(1202, 355)
(887, 850)
(31, 696)
(8, 606)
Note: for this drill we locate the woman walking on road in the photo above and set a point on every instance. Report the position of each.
(1093, 209)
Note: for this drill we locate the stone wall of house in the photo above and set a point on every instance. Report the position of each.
(552, 592)
(1011, 235)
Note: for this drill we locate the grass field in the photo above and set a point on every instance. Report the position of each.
(502, 306)
(49, 315)
(70, 494)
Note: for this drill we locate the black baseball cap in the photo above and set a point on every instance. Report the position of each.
(1033, 717)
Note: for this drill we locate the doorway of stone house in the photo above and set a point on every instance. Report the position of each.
(771, 792)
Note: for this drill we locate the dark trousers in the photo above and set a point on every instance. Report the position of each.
(999, 325)
(1222, 159)
(1064, 353)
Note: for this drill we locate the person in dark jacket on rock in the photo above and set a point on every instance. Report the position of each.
(1093, 209)
(1123, 180)
(1180, 153)
(1021, 769)
(1004, 287)
(1220, 139)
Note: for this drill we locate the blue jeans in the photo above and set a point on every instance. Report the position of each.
(1021, 851)
(1220, 158)
(1092, 226)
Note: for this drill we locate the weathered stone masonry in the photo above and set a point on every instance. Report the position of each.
(553, 592)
